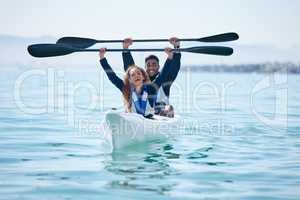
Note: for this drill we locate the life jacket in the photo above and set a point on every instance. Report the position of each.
(141, 104)
(161, 98)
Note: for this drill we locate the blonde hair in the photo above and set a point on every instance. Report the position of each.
(127, 86)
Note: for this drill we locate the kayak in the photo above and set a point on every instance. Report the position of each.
(127, 129)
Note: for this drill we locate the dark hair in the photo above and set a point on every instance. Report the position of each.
(152, 57)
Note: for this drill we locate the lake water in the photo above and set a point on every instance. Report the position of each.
(240, 139)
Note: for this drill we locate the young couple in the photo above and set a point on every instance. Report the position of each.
(146, 92)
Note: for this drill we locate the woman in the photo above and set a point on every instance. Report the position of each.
(139, 93)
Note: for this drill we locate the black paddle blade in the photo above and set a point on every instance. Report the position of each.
(77, 42)
(225, 37)
(49, 50)
(211, 50)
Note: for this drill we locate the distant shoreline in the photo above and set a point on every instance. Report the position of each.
(268, 67)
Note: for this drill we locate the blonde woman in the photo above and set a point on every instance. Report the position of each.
(139, 93)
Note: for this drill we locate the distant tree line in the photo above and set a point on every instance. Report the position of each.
(247, 68)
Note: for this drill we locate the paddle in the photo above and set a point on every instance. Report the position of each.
(87, 42)
(49, 50)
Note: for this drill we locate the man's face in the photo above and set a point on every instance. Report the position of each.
(152, 67)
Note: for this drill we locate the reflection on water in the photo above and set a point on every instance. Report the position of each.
(142, 166)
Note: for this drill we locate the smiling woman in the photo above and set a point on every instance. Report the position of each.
(138, 93)
(134, 80)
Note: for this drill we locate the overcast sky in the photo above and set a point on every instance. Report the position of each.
(273, 22)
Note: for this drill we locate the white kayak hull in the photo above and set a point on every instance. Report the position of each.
(130, 128)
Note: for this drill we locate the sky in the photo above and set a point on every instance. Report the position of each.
(272, 22)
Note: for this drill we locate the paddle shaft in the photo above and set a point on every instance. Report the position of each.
(147, 40)
(136, 50)
(190, 50)
(224, 37)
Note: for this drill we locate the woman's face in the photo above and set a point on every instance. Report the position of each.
(136, 77)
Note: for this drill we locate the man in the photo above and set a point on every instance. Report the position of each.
(162, 106)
